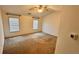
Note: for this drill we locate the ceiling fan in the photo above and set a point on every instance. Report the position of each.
(40, 8)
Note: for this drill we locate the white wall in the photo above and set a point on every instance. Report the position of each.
(51, 23)
(69, 23)
(1, 33)
(61, 24)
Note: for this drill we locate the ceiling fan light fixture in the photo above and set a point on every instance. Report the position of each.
(40, 10)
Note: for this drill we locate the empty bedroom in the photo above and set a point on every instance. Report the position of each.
(28, 29)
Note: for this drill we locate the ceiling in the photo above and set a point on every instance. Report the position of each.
(24, 10)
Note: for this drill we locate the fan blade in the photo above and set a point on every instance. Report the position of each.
(32, 8)
(40, 6)
(46, 8)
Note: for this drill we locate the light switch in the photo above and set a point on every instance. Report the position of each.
(74, 36)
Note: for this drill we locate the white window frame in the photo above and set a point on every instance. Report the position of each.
(15, 29)
(36, 26)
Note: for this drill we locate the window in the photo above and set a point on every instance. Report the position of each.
(14, 24)
(35, 24)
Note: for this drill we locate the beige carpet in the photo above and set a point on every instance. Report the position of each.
(37, 43)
